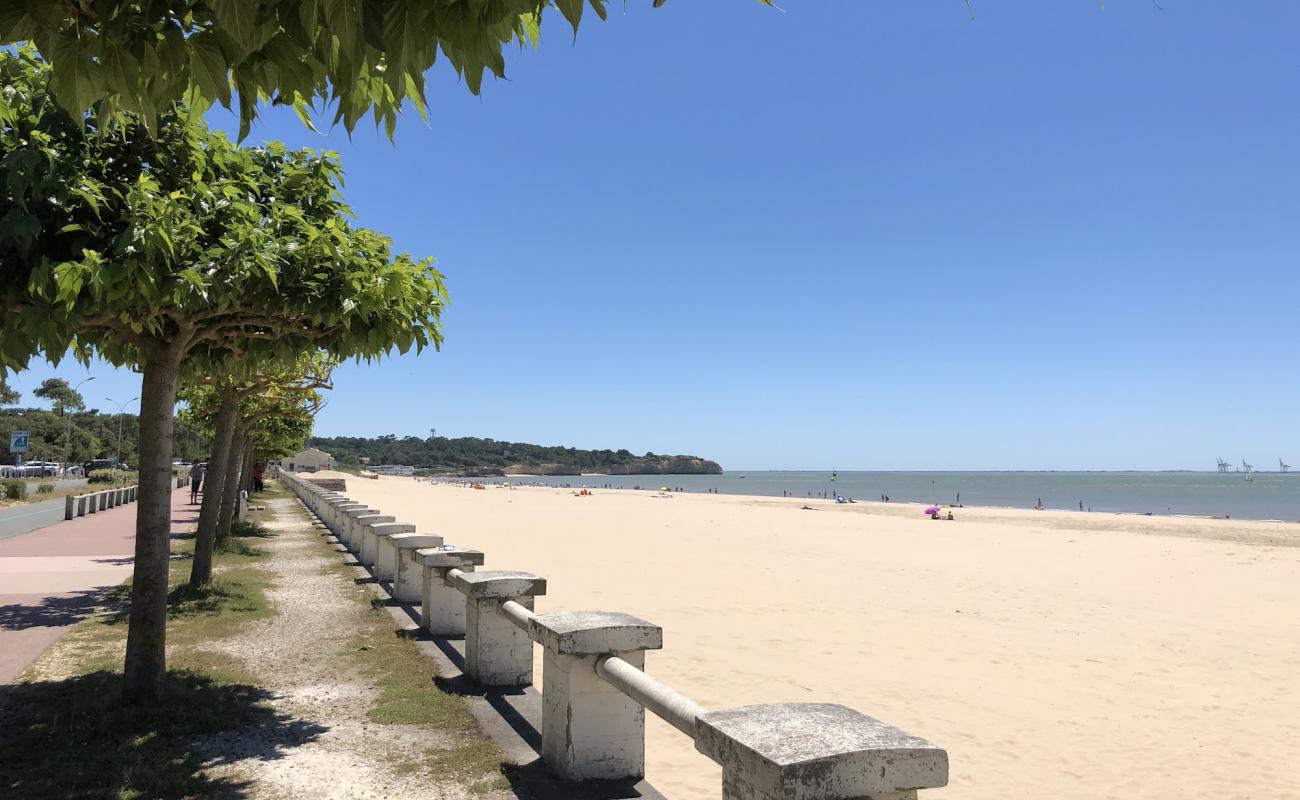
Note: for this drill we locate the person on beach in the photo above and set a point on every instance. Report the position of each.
(196, 481)
(1039, 507)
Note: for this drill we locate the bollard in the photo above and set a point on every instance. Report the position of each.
(442, 606)
(385, 553)
(591, 730)
(81, 505)
(365, 539)
(102, 500)
(69, 507)
(496, 652)
(794, 751)
(407, 577)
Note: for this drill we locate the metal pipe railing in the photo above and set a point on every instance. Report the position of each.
(518, 614)
(676, 709)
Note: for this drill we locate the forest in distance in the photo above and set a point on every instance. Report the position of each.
(472, 456)
(91, 434)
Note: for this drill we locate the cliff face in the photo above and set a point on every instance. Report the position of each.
(540, 469)
(668, 465)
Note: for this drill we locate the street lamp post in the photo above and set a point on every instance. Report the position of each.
(67, 443)
(121, 414)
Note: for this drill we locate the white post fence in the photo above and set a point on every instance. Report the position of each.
(595, 691)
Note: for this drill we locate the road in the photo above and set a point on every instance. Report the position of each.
(30, 516)
(52, 578)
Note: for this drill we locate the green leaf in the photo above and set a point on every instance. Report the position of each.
(77, 82)
(208, 68)
(238, 19)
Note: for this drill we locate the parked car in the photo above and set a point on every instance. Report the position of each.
(40, 469)
(102, 463)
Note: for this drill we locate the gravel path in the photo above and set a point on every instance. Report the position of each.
(298, 654)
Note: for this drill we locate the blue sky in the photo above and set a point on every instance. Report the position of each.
(861, 235)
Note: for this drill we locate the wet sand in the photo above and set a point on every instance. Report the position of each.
(1057, 654)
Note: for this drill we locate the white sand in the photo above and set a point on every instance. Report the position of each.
(1054, 654)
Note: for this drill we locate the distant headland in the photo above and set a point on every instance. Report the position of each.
(471, 456)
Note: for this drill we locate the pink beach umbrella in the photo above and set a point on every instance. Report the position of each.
(932, 510)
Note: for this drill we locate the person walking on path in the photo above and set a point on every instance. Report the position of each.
(196, 482)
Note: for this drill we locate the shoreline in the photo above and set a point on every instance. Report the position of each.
(873, 506)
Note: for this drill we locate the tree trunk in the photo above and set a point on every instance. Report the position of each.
(210, 513)
(248, 464)
(145, 670)
(231, 489)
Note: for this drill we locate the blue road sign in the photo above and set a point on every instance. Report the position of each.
(18, 441)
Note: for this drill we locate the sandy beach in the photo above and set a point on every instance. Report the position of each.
(1054, 654)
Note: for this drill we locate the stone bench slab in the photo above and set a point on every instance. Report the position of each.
(414, 541)
(803, 751)
(449, 556)
(595, 632)
(500, 584)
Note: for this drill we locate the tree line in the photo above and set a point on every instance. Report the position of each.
(83, 433)
(472, 455)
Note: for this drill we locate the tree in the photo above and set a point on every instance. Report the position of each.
(181, 250)
(63, 396)
(217, 403)
(8, 395)
(361, 56)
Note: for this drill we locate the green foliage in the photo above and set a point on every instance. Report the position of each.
(63, 396)
(15, 489)
(94, 435)
(45, 487)
(124, 244)
(362, 57)
(278, 401)
(113, 477)
(8, 395)
(470, 454)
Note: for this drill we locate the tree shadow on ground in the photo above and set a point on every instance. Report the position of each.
(52, 612)
(183, 601)
(72, 739)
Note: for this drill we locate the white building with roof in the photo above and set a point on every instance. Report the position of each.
(309, 460)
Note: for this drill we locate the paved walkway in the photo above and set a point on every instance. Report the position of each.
(54, 577)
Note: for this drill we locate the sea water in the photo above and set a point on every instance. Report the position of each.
(1209, 494)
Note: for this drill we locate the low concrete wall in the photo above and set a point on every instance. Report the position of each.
(595, 691)
(330, 484)
(79, 505)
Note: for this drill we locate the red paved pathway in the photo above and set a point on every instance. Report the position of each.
(53, 577)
